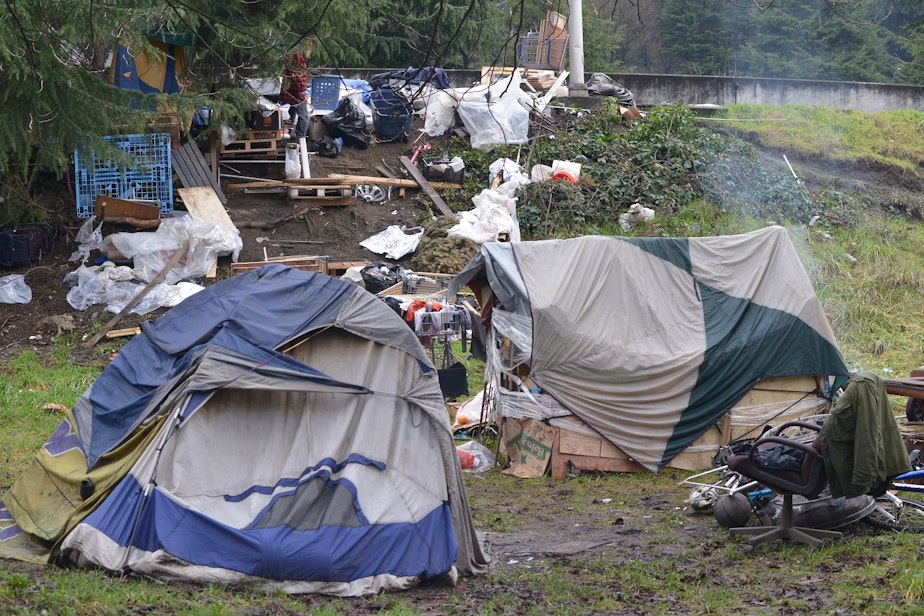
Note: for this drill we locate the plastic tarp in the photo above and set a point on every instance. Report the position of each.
(256, 426)
(497, 114)
(651, 340)
(149, 72)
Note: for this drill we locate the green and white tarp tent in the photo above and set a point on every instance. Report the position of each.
(650, 341)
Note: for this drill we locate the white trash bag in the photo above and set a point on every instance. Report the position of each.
(14, 290)
(475, 457)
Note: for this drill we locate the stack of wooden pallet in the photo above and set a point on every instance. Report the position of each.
(263, 143)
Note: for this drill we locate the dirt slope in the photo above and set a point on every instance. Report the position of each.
(331, 231)
(337, 231)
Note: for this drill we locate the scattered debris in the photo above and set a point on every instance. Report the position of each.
(637, 213)
(61, 322)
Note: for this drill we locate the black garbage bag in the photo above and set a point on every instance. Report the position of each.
(453, 380)
(602, 84)
(348, 122)
(326, 147)
(380, 275)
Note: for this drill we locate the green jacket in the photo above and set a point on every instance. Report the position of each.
(860, 442)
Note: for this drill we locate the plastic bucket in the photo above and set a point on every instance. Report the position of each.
(566, 170)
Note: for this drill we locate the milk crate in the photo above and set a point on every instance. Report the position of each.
(325, 92)
(425, 283)
(150, 180)
(25, 245)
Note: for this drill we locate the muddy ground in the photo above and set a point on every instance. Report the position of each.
(334, 232)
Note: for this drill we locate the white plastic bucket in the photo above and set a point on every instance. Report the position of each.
(566, 170)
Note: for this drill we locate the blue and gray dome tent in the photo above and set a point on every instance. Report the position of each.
(280, 427)
(651, 341)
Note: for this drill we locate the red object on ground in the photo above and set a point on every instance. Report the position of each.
(466, 459)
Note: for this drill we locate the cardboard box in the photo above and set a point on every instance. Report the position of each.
(576, 444)
(528, 443)
(265, 120)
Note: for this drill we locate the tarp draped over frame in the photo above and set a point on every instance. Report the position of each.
(149, 72)
(280, 427)
(652, 340)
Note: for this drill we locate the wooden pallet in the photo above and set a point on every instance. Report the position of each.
(339, 268)
(192, 170)
(307, 264)
(330, 190)
(259, 144)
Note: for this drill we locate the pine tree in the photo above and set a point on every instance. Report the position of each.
(55, 56)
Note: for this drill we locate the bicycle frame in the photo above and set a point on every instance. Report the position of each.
(900, 482)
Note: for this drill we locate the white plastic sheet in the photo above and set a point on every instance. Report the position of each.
(502, 122)
(493, 115)
(150, 251)
(394, 242)
(88, 239)
(494, 214)
(107, 284)
(113, 286)
(14, 290)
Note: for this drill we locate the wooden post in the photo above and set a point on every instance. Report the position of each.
(89, 344)
(425, 186)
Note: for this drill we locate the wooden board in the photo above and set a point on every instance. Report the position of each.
(326, 201)
(201, 202)
(191, 169)
(121, 333)
(425, 186)
(559, 463)
(110, 208)
(371, 179)
(339, 268)
(308, 264)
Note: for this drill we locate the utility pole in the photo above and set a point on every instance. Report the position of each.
(576, 85)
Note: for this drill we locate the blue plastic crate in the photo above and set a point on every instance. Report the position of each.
(392, 115)
(151, 180)
(325, 92)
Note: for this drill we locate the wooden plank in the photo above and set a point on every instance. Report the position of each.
(89, 344)
(308, 264)
(201, 202)
(543, 101)
(385, 172)
(398, 182)
(192, 170)
(425, 186)
(197, 170)
(339, 268)
(213, 155)
(110, 208)
(315, 184)
(121, 333)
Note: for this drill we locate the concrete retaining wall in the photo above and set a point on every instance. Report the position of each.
(694, 90)
(697, 90)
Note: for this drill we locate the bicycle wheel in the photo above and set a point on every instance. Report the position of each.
(914, 409)
(897, 513)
